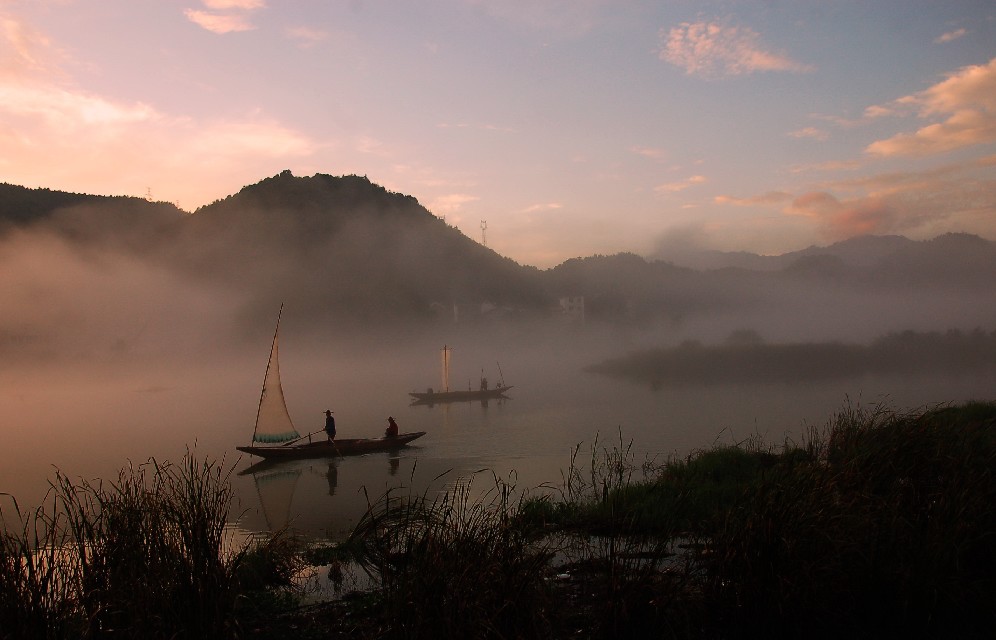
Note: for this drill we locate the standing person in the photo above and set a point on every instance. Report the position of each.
(392, 428)
(329, 425)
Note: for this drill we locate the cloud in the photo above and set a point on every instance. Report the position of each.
(878, 111)
(950, 36)
(650, 153)
(244, 5)
(712, 49)
(253, 135)
(810, 132)
(674, 187)
(122, 148)
(485, 126)
(957, 196)
(845, 219)
(450, 203)
(24, 52)
(68, 112)
(306, 36)
(219, 22)
(829, 165)
(548, 206)
(225, 16)
(966, 103)
(771, 197)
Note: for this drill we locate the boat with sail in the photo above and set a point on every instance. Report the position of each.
(483, 392)
(275, 437)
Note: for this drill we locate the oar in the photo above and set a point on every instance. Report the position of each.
(307, 435)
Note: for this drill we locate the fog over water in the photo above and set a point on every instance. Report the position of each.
(107, 359)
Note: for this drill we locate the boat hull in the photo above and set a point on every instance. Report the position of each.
(334, 449)
(457, 396)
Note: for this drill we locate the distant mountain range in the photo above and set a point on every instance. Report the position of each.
(862, 252)
(346, 248)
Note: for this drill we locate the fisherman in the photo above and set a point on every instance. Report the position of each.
(329, 425)
(392, 428)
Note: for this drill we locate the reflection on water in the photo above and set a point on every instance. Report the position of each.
(275, 490)
(556, 408)
(332, 475)
(528, 443)
(319, 497)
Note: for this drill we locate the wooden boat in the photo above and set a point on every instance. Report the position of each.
(483, 392)
(338, 447)
(275, 436)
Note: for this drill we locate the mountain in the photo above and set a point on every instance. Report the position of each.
(888, 260)
(863, 251)
(343, 249)
(82, 218)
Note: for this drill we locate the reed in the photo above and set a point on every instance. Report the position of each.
(36, 577)
(453, 566)
(145, 556)
(620, 565)
(888, 531)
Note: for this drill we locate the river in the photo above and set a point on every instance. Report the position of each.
(89, 419)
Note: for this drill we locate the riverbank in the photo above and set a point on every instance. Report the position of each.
(879, 524)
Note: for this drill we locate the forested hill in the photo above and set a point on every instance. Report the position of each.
(83, 217)
(344, 248)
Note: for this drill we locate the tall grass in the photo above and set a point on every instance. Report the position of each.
(881, 523)
(145, 556)
(37, 599)
(453, 566)
(890, 530)
(620, 566)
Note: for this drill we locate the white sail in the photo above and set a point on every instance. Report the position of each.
(273, 422)
(446, 368)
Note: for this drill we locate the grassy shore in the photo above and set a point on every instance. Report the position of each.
(879, 524)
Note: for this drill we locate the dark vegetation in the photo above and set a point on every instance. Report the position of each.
(745, 357)
(145, 556)
(101, 221)
(880, 524)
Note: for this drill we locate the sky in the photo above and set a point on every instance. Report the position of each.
(546, 129)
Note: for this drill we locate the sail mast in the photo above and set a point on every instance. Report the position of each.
(266, 375)
(446, 368)
(272, 413)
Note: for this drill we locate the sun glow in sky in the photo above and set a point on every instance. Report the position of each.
(572, 127)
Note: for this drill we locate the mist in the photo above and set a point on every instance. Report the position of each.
(116, 348)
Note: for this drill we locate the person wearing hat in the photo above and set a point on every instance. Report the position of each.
(392, 428)
(329, 425)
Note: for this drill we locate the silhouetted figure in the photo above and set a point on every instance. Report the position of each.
(392, 428)
(329, 425)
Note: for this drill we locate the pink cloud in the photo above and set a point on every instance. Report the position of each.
(810, 132)
(219, 22)
(25, 52)
(245, 5)
(450, 203)
(950, 36)
(650, 153)
(307, 36)
(771, 197)
(674, 187)
(548, 206)
(713, 49)
(966, 102)
(845, 219)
